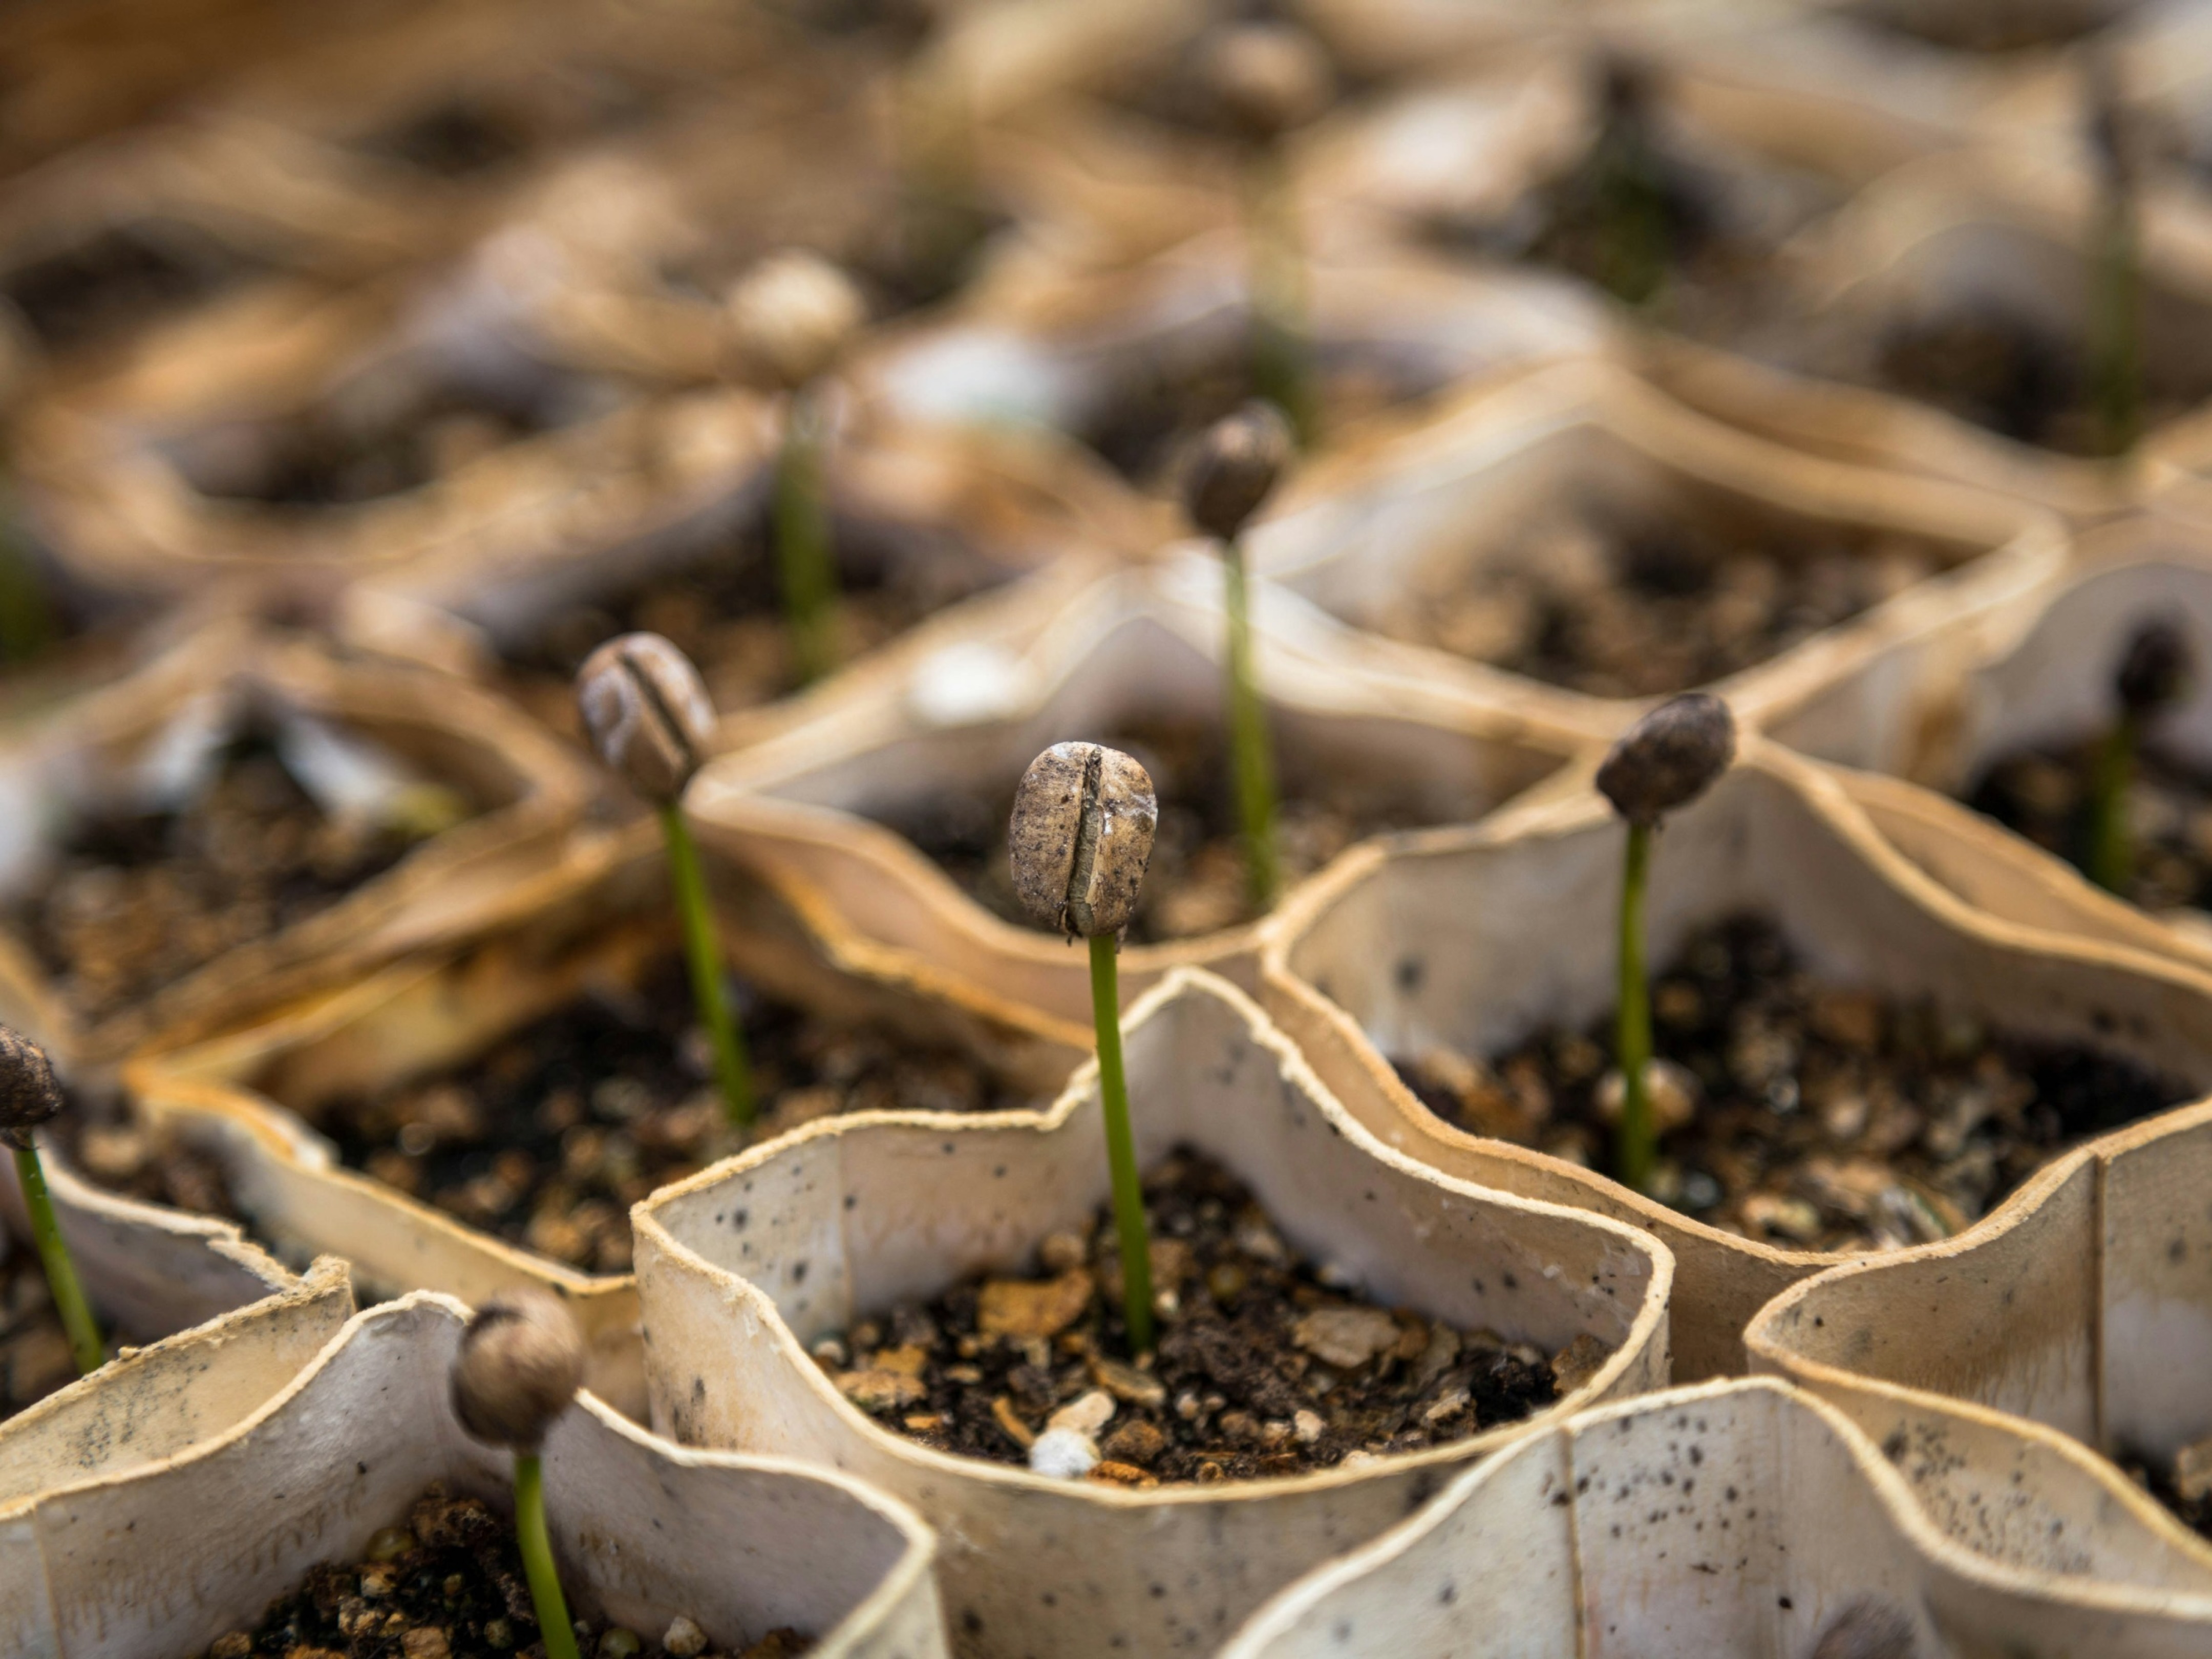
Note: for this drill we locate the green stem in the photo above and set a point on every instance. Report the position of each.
(27, 617)
(1250, 752)
(703, 956)
(802, 542)
(1121, 1145)
(1638, 1144)
(1282, 350)
(1631, 220)
(2112, 859)
(2116, 325)
(530, 1537)
(91, 1353)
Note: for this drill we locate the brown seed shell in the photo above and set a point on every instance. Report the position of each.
(519, 1366)
(1234, 468)
(1670, 757)
(648, 712)
(2156, 668)
(1081, 836)
(29, 1096)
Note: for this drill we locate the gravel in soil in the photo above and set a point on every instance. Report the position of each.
(1266, 1365)
(122, 279)
(2043, 795)
(1806, 1116)
(34, 1349)
(1650, 609)
(447, 1584)
(726, 613)
(550, 1136)
(133, 902)
(1195, 883)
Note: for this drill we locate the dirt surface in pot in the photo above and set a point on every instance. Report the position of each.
(34, 1349)
(2009, 375)
(1618, 611)
(123, 278)
(1806, 1116)
(446, 1582)
(725, 611)
(2043, 795)
(550, 1136)
(150, 1162)
(1267, 1364)
(2183, 1484)
(135, 902)
(1195, 883)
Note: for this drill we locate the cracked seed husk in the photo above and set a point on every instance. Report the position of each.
(648, 712)
(1670, 757)
(29, 1096)
(1080, 837)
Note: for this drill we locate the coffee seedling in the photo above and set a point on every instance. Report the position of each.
(29, 1096)
(649, 715)
(1631, 197)
(517, 1368)
(1266, 79)
(2114, 259)
(794, 314)
(1081, 836)
(1663, 762)
(1234, 470)
(2154, 674)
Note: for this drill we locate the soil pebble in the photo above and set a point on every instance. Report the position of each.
(1267, 1364)
(130, 903)
(1818, 1117)
(1196, 882)
(2043, 795)
(447, 1582)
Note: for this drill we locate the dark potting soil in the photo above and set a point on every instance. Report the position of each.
(548, 1138)
(124, 277)
(134, 902)
(34, 1349)
(1264, 1367)
(1818, 1117)
(2043, 795)
(2164, 1482)
(151, 1164)
(448, 1583)
(725, 611)
(1195, 883)
(1648, 610)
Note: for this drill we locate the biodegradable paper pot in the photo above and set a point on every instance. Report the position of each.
(803, 807)
(248, 1097)
(1738, 1518)
(140, 744)
(960, 510)
(2085, 1303)
(744, 1266)
(1454, 493)
(151, 1563)
(127, 476)
(1471, 939)
(153, 1402)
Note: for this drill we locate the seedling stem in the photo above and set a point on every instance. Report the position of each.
(1129, 1227)
(1282, 354)
(554, 1627)
(1636, 1147)
(2112, 859)
(89, 1351)
(703, 955)
(1253, 754)
(802, 541)
(2116, 327)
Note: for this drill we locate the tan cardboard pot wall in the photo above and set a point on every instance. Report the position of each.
(292, 448)
(149, 1562)
(940, 532)
(742, 1268)
(273, 1101)
(2084, 1304)
(1739, 1517)
(1466, 941)
(838, 812)
(1576, 504)
(406, 806)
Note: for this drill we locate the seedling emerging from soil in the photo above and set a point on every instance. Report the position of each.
(1269, 78)
(1665, 761)
(517, 1368)
(1080, 838)
(794, 315)
(2115, 262)
(2153, 675)
(648, 713)
(1234, 470)
(29, 1097)
(1631, 198)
